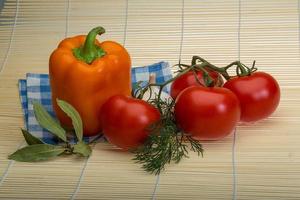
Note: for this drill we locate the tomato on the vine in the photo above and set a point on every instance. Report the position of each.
(207, 113)
(126, 121)
(258, 93)
(189, 79)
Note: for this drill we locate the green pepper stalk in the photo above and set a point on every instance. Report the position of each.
(89, 51)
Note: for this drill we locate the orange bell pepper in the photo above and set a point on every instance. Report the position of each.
(85, 73)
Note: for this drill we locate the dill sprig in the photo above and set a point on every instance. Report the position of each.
(166, 143)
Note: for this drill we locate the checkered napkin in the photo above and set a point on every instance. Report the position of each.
(36, 88)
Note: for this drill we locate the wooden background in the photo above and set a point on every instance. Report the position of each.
(259, 161)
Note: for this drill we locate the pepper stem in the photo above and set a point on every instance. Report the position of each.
(89, 51)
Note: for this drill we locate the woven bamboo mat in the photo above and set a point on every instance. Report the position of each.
(258, 161)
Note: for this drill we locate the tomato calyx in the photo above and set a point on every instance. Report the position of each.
(202, 67)
(241, 69)
(139, 91)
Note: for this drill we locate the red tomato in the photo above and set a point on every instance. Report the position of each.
(188, 80)
(125, 120)
(207, 113)
(259, 95)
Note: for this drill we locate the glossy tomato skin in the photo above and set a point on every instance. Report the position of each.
(207, 113)
(259, 95)
(126, 120)
(188, 80)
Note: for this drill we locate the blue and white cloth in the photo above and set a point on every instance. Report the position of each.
(36, 88)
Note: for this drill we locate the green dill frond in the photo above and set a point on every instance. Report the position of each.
(165, 143)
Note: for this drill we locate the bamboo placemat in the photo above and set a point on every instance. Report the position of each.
(258, 161)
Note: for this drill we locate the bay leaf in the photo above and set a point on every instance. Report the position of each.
(36, 152)
(47, 121)
(75, 117)
(31, 139)
(83, 149)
